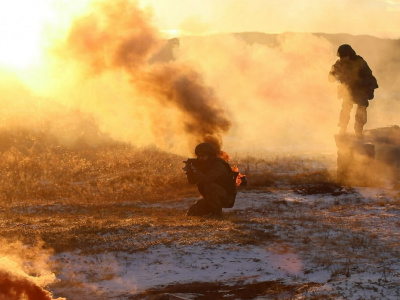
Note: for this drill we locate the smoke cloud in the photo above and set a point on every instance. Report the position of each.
(119, 36)
(248, 93)
(277, 95)
(272, 96)
(24, 272)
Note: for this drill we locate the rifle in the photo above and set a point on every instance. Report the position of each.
(189, 163)
(190, 169)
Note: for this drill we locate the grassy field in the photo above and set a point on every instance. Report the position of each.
(120, 200)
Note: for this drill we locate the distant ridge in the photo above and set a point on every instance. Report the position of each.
(363, 44)
(382, 55)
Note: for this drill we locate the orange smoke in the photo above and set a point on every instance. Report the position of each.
(24, 272)
(118, 36)
(13, 287)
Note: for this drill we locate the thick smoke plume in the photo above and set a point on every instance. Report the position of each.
(278, 93)
(269, 97)
(257, 93)
(185, 88)
(24, 272)
(118, 36)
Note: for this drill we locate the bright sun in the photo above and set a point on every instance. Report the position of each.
(21, 25)
(25, 26)
(171, 33)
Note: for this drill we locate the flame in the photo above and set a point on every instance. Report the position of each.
(240, 178)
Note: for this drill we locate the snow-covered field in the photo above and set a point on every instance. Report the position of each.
(343, 243)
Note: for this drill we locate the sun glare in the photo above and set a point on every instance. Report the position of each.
(172, 33)
(21, 24)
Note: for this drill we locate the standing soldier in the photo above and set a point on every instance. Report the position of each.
(357, 87)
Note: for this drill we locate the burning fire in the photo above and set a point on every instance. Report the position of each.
(241, 179)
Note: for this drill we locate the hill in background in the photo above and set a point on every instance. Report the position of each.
(382, 55)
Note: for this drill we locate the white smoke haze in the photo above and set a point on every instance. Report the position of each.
(275, 95)
(245, 97)
(101, 58)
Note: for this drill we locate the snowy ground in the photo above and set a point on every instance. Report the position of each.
(341, 244)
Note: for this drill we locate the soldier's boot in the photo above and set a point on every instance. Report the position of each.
(199, 208)
(217, 212)
(214, 215)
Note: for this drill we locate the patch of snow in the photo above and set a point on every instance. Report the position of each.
(374, 275)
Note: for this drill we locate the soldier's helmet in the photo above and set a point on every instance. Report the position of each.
(345, 50)
(205, 149)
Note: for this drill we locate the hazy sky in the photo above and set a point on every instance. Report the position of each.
(374, 17)
(91, 72)
(25, 25)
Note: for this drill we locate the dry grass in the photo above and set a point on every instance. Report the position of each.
(38, 166)
(329, 235)
(35, 167)
(98, 228)
(117, 198)
(47, 186)
(283, 170)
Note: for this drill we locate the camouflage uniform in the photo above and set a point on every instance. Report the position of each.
(357, 87)
(215, 182)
